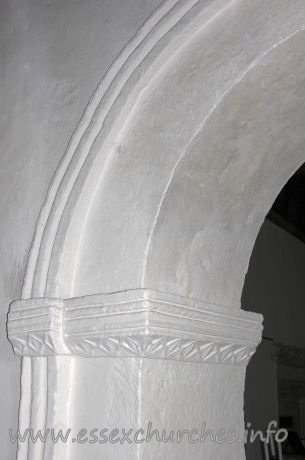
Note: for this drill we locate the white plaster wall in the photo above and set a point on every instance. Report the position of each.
(52, 56)
(172, 395)
(201, 158)
(260, 395)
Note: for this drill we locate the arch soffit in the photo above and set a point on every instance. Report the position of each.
(135, 155)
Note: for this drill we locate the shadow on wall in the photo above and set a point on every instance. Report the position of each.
(275, 286)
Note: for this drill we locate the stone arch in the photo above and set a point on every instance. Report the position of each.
(182, 149)
(76, 189)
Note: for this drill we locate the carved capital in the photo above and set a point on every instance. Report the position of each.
(134, 323)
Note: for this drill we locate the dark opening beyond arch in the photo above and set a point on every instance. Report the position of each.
(274, 286)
